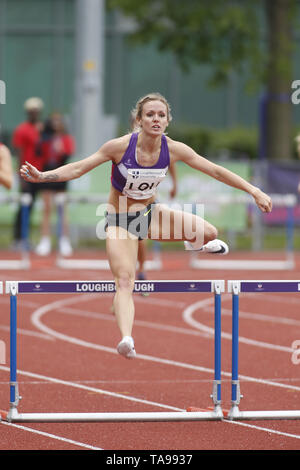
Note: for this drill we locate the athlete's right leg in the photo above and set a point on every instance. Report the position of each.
(122, 255)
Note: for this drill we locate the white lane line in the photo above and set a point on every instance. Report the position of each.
(261, 428)
(261, 317)
(36, 320)
(188, 318)
(147, 324)
(91, 389)
(72, 384)
(51, 436)
(22, 331)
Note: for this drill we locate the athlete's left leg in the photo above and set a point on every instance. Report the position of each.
(122, 255)
(168, 224)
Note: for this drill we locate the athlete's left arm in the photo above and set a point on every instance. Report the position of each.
(184, 153)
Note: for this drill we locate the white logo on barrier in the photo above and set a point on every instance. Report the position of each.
(92, 287)
(2, 352)
(110, 287)
(37, 286)
(298, 285)
(144, 287)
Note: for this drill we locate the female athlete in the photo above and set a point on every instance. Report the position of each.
(140, 161)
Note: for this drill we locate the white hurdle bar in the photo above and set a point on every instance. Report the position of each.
(14, 288)
(279, 200)
(98, 264)
(235, 288)
(24, 261)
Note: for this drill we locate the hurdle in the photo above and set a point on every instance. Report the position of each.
(15, 288)
(235, 288)
(289, 201)
(96, 264)
(24, 261)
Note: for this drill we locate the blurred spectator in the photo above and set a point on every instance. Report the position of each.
(6, 172)
(54, 149)
(24, 140)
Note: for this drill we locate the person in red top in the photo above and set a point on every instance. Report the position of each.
(24, 140)
(54, 149)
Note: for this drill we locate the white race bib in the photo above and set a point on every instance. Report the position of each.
(142, 183)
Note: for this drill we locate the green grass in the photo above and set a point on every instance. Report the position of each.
(273, 240)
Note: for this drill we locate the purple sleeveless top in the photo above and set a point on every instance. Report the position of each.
(137, 181)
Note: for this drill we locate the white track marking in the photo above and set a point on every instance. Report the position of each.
(188, 318)
(261, 428)
(148, 324)
(51, 436)
(73, 384)
(25, 303)
(22, 331)
(226, 374)
(36, 319)
(158, 301)
(90, 389)
(261, 317)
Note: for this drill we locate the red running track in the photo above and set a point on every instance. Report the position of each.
(67, 363)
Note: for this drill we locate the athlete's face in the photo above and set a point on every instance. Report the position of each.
(154, 118)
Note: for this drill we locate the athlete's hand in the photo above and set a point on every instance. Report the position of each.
(30, 173)
(263, 201)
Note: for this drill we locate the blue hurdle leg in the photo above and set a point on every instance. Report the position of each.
(218, 346)
(235, 386)
(216, 394)
(235, 346)
(14, 393)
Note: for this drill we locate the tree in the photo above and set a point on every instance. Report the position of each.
(230, 36)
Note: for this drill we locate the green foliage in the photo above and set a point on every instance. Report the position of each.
(222, 34)
(236, 142)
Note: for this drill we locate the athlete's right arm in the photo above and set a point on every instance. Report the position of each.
(74, 170)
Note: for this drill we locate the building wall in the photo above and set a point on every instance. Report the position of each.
(37, 59)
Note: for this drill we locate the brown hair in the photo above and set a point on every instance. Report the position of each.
(136, 113)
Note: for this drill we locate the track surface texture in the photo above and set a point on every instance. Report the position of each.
(67, 362)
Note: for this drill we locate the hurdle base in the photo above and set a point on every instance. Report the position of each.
(271, 265)
(14, 417)
(236, 414)
(98, 264)
(216, 411)
(15, 264)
